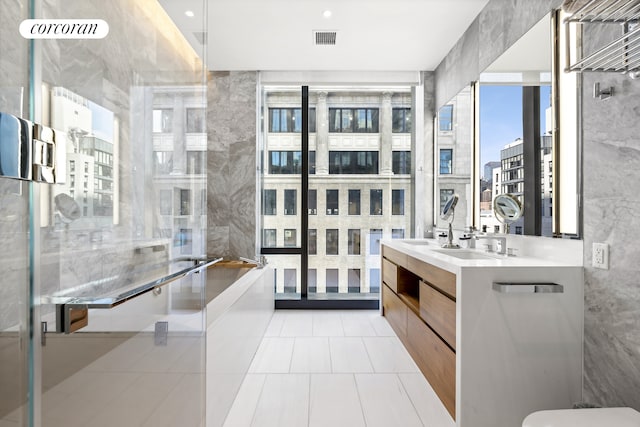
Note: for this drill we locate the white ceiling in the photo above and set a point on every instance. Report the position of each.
(373, 35)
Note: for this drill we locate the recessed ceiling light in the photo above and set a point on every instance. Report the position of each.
(326, 14)
(189, 13)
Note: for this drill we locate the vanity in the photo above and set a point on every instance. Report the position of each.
(497, 337)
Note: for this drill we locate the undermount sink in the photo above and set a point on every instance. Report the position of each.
(464, 254)
(418, 242)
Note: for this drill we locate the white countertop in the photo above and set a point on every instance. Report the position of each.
(430, 251)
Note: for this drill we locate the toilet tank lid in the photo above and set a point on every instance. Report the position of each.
(587, 417)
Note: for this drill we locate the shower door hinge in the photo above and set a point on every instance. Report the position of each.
(30, 151)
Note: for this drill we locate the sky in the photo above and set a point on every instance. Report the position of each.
(501, 118)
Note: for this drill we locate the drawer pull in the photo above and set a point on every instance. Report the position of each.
(527, 288)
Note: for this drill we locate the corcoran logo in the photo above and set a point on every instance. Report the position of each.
(64, 29)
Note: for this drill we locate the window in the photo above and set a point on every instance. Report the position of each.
(312, 280)
(332, 241)
(72, 165)
(374, 280)
(312, 162)
(446, 164)
(401, 162)
(401, 120)
(332, 280)
(353, 162)
(353, 280)
(290, 120)
(397, 233)
(348, 120)
(354, 241)
(162, 120)
(332, 202)
(312, 242)
(269, 238)
(354, 202)
(445, 118)
(165, 202)
(375, 234)
(518, 229)
(285, 162)
(375, 202)
(397, 202)
(269, 202)
(162, 162)
(313, 202)
(196, 120)
(290, 201)
(290, 280)
(185, 202)
(445, 194)
(196, 162)
(290, 237)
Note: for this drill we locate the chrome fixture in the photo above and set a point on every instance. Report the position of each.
(448, 213)
(502, 240)
(602, 93)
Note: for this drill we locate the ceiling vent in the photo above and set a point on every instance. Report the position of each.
(324, 38)
(201, 36)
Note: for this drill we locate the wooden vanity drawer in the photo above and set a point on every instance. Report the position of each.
(439, 311)
(435, 276)
(395, 311)
(395, 256)
(390, 274)
(436, 361)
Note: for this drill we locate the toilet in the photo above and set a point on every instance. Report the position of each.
(587, 417)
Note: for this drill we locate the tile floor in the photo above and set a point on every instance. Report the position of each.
(334, 368)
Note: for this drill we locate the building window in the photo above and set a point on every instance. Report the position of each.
(375, 234)
(445, 195)
(375, 202)
(401, 120)
(313, 202)
(446, 161)
(269, 238)
(353, 120)
(72, 165)
(332, 280)
(353, 280)
(165, 202)
(290, 202)
(401, 162)
(518, 229)
(332, 202)
(397, 202)
(196, 120)
(312, 280)
(196, 162)
(354, 202)
(185, 202)
(290, 237)
(290, 280)
(374, 280)
(354, 241)
(289, 120)
(312, 243)
(397, 233)
(312, 162)
(162, 162)
(445, 118)
(353, 162)
(269, 202)
(285, 162)
(332, 241)
(162, 120)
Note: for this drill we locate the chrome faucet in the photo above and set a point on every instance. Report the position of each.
(502, 241)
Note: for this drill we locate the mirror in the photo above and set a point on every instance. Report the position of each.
(507, 209)
(449, 208)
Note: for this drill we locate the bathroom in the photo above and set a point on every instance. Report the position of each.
(138, 73)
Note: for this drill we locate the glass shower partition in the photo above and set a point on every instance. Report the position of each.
(102, 291)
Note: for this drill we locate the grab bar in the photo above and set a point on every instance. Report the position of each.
(74, 314)
(528, 288)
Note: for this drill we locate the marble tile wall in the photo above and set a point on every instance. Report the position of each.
(611, 170)
(231, 164)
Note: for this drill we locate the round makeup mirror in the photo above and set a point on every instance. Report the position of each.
(507, 209)
(447, 214)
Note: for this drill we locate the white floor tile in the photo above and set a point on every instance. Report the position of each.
(349, 355)
(311, 355)
(382, 327)
(299, 324)
(357, 324)
(222, 390)
(327, 324)
(275, 326)
(334, 401)
(388, 355)
(244, 406)
(385, 401)
(284, 401)
(182, 407)
(273, 356)
(427, 404)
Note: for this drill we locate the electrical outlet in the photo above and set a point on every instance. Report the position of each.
(600, 256)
